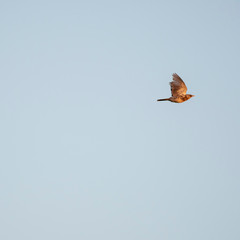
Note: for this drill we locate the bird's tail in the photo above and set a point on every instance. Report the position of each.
(164, 99)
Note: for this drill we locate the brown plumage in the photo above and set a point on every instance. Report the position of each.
(179, 90)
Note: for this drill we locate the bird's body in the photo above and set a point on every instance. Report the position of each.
(179, 90)
(179, 99)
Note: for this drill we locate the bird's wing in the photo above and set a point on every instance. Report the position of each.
(178, 86)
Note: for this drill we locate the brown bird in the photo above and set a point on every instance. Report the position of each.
(178, 89)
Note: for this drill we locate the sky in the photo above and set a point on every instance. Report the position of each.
(86, 150)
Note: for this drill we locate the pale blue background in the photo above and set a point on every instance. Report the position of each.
(86, 150)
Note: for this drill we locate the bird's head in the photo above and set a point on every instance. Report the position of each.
(190, 96)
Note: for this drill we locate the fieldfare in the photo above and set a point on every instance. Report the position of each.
(179, 90)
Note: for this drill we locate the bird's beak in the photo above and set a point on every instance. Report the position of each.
(193, 95)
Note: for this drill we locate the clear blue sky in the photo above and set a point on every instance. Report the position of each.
(86, 150)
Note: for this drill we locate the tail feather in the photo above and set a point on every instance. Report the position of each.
(164, 99)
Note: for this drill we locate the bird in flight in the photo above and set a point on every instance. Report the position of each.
(179, 90)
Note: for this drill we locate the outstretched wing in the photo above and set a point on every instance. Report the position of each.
(178, 86)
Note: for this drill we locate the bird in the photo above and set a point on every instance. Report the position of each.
(178, 89)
